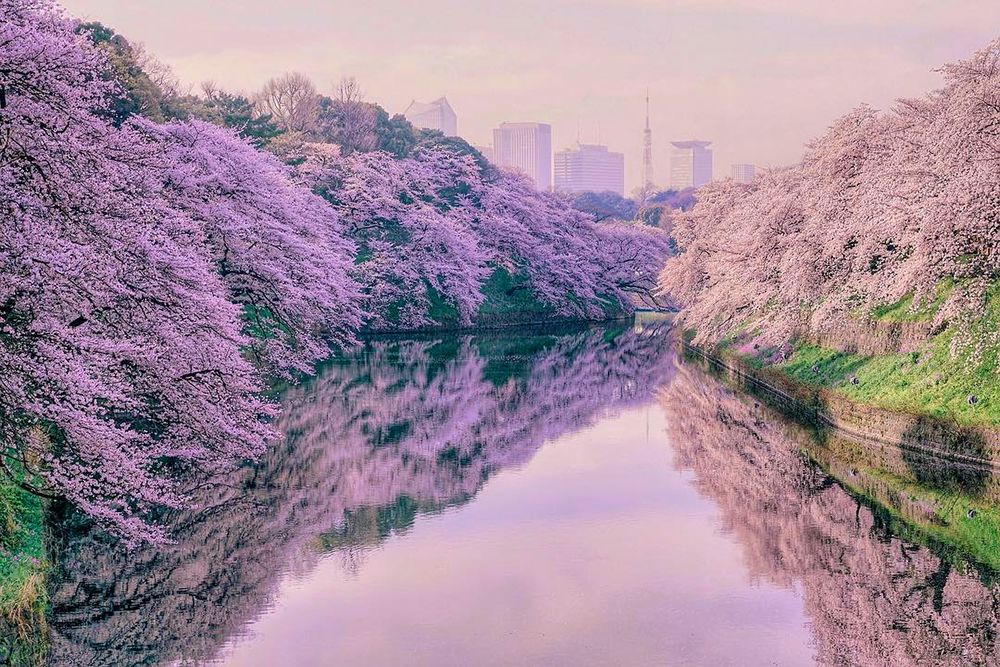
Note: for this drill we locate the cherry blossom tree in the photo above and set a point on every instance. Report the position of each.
(155, 277)
(883, 207)
(120, 353)
(432, 228)
(279, 248)
(414, 241)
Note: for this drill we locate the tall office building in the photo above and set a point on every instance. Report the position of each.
(526, 147)
(690, 164)
(436, 115)
(743, 173)
(589, 168)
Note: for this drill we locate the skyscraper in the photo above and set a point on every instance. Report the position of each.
(436, 115)
(743, 173)
(589, 168)
(690, 164)
(526, 147)
(647, 153)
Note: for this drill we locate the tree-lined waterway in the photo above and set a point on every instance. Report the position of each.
(568, 496)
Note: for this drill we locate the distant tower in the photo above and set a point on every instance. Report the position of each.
(647, 153)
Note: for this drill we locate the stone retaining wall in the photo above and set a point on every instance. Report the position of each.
(974, 445)
(874, 338)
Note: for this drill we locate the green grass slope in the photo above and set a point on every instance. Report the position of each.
(933, 381)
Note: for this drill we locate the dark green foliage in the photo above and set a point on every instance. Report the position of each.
(682, 199)
(441, 311)
(398, 137)
(142, 96)
(394, 135)
(507, 295)
(237, 112)
(139, 94)
(654, 215)
(435, 139)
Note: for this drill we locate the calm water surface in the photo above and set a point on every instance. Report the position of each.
(577, 497)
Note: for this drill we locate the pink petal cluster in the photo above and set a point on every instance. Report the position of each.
(882, 207)
(435, 225)
(118, 345)
(277, 246)
(154, 277)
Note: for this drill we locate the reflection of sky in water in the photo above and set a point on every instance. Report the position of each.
(597, 551)
(575, 498)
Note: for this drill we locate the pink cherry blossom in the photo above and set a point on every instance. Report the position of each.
(882, 207)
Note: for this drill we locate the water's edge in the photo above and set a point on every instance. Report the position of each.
(974, 445)
(928, 490)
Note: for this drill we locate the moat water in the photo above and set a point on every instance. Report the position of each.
(563, 497)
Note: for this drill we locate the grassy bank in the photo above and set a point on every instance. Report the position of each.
(933, 382)
(23, 567)
(947, 378)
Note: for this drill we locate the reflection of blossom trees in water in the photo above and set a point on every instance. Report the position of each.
(872, 599)
(401, 428)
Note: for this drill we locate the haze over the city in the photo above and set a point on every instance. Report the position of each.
(756, 77)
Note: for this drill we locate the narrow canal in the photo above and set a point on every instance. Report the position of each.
(564, 497)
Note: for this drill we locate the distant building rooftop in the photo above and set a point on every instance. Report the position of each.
(421, 107)
(508, 124)
(435, 115)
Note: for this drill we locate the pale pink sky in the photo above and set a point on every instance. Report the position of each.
(757, 77)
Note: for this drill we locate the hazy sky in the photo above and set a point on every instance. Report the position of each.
(757, 77)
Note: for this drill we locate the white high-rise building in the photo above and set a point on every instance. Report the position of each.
(436, 115)
(690, 164)
(526, 147)
(589, 168)
(743, 173)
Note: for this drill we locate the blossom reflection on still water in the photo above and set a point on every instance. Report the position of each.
(571, 497)
(871, 597)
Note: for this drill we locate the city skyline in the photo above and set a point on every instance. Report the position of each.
(580, 167)
(526, 146)
(758, 78)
